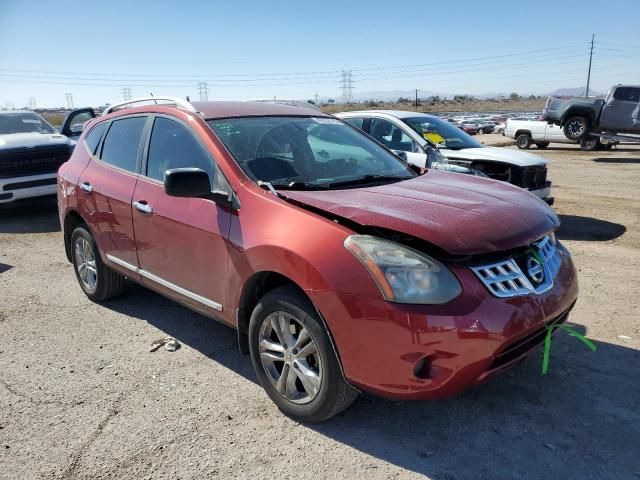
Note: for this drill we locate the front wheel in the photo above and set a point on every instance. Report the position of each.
(97, 280)
(523, 141)
(294, 360)
(576, 127)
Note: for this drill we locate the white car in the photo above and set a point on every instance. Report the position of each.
(535, 132)
(412, 133)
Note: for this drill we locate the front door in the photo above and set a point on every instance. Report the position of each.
(106, 188)
(181, 242)
(618, 111)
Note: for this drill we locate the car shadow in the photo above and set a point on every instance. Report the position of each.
(622, 160)
(4, 267)
(33, 215)
(576, 227)
(519, 425)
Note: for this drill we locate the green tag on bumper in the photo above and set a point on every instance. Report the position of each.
(547, 343)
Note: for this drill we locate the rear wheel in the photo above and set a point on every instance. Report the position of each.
(542, 145)
(501, 131)
(576, 127)
(294, 360)
(523, 141)
(97, 280)
(589, 144)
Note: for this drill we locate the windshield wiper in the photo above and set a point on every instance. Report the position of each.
(299, 186)
(367, 179)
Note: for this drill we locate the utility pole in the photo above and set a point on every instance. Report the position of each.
(69, 98)
(416, 99)
(586, 93)
(202, 90)
(32, 103)
(347, 87)
(126, 93)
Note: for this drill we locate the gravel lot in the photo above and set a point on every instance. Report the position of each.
(82, 397)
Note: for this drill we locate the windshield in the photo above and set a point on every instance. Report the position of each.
(307, 153)
(23, 122)
(444, 133)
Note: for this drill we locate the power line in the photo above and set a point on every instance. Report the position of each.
(203, 92)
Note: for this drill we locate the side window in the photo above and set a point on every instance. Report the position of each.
(356, 122)
(174, 146)
(93, 137)
(390, 135)
(122, 143)
(627, 94)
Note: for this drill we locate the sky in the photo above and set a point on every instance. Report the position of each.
(263, 49)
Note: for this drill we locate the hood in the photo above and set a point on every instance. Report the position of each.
(460, 214)
(33, 140)
(504, 155)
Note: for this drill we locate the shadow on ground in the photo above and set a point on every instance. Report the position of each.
(628, 160)
(576, 227)
(579, 421)
(34, 215)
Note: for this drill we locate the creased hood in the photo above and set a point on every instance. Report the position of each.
(504, 155)
(461, 214)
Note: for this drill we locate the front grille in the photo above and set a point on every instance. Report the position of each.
(526, 344)
(32, 162)
(533, 177)
(530, 272)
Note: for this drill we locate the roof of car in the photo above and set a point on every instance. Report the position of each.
(253, 109)
(394, 113)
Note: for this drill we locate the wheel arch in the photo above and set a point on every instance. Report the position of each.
(577, 111)
(522, 131)
(71, 220)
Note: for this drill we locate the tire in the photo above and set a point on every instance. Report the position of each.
(318, 400)
(589, 144)
(501, 131)
(97, 280)
(542, 145)
(523, 141)
(576, 127)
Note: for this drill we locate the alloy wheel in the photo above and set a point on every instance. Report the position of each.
(290, 357)
(86, 264)
(575, 128)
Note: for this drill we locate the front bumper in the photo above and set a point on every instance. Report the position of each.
(15, 188)
(437, 351)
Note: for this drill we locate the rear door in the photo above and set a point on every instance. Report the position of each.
(618, 111)
(182, 242)
(106, 189)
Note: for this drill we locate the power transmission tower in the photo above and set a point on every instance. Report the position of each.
(202, 90)
(69, 98)
(126, 93)
(316, 98)
(586, 93)
(347, 86)
(32, 103)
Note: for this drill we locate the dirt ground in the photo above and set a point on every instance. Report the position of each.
(82, 397)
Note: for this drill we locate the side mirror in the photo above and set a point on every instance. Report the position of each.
(74, 122)
(194, 183)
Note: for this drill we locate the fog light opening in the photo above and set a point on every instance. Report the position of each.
(422, 369)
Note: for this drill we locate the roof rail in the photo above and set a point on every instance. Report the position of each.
(178, 102)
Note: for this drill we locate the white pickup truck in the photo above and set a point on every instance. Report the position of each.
(534, 132)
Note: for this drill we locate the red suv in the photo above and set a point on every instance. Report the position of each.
(341, 267)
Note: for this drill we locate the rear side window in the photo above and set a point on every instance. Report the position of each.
(627, 94)
(93, 137)
(122, 143)
(174, 146)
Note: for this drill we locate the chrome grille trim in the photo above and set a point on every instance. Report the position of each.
(506, 279)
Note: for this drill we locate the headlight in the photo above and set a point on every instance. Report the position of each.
(403, 274)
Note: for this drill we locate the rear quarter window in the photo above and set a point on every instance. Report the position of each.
(121, 146)
(93, 137)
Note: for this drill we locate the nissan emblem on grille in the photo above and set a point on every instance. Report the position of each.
(534, 269)
(536, 274)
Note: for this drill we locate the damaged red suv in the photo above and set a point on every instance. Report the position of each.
(341, 267)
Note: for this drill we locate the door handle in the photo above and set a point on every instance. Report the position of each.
(86, 186)
(143, 206)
